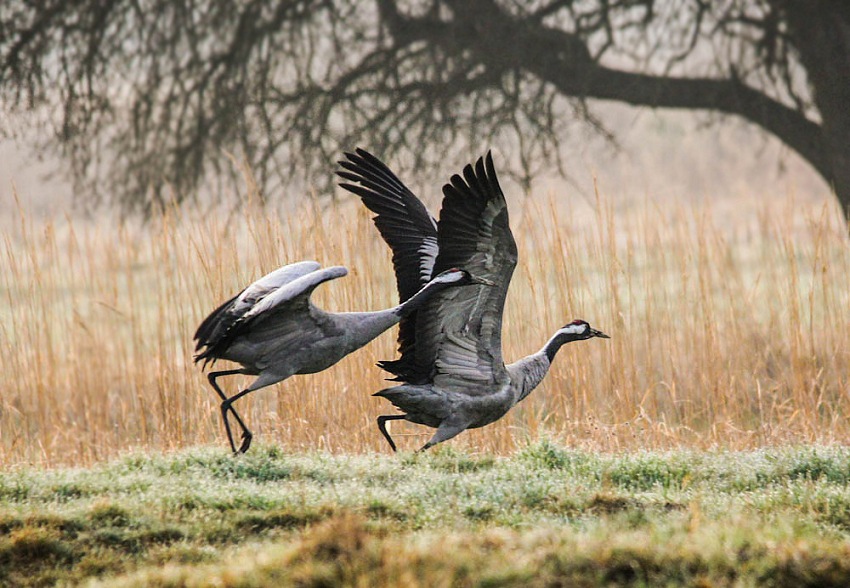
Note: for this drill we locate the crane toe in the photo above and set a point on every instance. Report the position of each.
(246, 441)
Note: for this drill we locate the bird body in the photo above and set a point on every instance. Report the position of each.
(451, 366)
(284, 346)
(274, 331)
(468, 407)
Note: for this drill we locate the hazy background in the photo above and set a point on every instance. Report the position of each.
(662, 155)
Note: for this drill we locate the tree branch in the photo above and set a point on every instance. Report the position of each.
(729, 96)
(505, 43)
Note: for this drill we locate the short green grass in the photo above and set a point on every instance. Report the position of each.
(546, 516)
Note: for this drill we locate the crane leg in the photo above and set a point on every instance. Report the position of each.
(445, 431)
(246, 434)
(225, 406)
(382, 426)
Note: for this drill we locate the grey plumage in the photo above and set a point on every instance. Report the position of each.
(451, 366)
(274, 331)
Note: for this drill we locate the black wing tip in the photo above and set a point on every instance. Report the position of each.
(368, 156)
(387, 365)
(455, 184)
(485, 169)
(393, 367)
(357, 151)
(351, 160)
(368, 168)
(480, 172)
(477, 178)
(204, 355)
(350, 166)
(348, 176)
(359, 154)
(351, 187)
(491, 171)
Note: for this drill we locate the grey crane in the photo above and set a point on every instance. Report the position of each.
(451, 368)
(274, 331)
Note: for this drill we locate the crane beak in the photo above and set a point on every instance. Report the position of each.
(482, 281)
(595, 333)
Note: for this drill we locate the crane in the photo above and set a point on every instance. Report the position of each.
(274, 331)
(451, 369)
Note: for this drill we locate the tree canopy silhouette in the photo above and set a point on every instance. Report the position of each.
(138, 95)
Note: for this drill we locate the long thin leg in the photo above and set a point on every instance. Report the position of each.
(246, 434)
(225, 406)
(445, 431)
(382, 426)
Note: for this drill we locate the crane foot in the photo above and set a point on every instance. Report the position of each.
(246, 441)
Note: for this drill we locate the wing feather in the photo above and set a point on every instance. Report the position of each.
(218, 320)
(296, 292)
(458, 331)
(287, 287)
(406, 226)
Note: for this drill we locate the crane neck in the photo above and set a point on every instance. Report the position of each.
(528, 372)
(365, 326)
(554, 344)
(422, 296)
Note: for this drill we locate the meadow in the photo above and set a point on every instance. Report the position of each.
(545, 516)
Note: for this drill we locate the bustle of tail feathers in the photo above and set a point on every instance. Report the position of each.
(403, 370)
(220, 343)
(207, 328)
(385, 393)
(207, 356)
(393, 366)
(206, 335)
(395, 394)
(207, 360)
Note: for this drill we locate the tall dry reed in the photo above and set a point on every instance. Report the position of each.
(724, 333)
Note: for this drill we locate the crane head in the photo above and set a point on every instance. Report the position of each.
(579, 329)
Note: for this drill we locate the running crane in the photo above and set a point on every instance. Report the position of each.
(451, 367)
(274, 331)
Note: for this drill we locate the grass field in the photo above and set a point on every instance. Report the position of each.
(546, 516)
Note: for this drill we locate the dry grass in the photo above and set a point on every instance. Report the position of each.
(724, 333)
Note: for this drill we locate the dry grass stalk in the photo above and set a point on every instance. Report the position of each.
(722, 335)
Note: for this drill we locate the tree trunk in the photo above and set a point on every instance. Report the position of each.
(821, 32)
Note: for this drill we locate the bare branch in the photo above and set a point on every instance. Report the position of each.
(145, 97)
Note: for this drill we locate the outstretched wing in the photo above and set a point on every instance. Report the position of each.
(288, 287)
(406, 226)
(459, 330)
(400, 217)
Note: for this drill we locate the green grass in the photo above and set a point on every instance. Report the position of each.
(546, 516)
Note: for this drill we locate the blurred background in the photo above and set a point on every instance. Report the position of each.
(660, 154)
